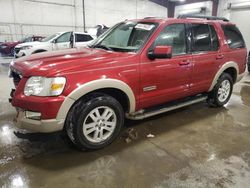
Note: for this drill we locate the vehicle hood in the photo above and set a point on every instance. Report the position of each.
(67, 61)
(9, 43)
(35, 43)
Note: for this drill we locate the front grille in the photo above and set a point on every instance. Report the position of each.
(16, 79)
(16, 76)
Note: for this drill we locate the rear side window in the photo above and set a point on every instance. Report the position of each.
(233, 36)
(83, 38)
(201, 38)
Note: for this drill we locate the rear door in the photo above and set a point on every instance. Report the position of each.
(207, 56)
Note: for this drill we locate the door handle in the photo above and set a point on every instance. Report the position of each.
(184, 62)
(220, 56)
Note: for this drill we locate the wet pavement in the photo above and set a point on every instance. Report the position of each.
(196, 146)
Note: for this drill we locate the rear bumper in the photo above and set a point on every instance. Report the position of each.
(42, 126)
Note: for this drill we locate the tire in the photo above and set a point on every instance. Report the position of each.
(222, 91)
(94, 121)
(12, 52)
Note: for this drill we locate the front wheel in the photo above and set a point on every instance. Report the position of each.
(95, 122)
(222, 91)
(12, 52)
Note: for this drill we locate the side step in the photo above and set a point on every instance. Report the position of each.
(142, 114)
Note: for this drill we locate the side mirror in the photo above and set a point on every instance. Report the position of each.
(53, 41)
(160, 52)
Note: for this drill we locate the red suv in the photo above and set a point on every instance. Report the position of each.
(137, 69)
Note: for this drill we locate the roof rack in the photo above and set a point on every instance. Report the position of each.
(203, 17)
(153, 17)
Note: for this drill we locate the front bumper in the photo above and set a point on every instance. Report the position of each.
(19, 54)
(42, 126)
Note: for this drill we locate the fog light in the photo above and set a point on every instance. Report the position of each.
(33, 115)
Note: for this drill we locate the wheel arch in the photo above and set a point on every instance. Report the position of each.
(111, 87)
(39, 51)
(231, 68)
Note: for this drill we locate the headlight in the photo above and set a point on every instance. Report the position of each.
(26, 47)
(41, 86)
(3, 46)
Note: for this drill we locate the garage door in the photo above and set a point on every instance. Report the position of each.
(241, 19)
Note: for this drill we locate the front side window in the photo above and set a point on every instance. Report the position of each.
(126, 36)
(175, 36)
(50, 37)
(64, 37)
(201, 38)
(233, 36)
(28, 39)
(83, 38)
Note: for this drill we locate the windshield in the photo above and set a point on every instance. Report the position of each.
(49, 38)
(27, 39)
(126, 36)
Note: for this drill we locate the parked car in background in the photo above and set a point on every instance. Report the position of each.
(57, 41)
(98, 30)
(7, 48)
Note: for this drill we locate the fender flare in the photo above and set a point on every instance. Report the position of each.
(230, 64)
(38, 51)
(92, 86)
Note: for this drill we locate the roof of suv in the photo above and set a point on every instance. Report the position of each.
(188, 19)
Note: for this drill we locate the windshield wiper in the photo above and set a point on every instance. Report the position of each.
(101, 46)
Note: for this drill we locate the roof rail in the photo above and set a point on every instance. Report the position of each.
(153, 17)
(203, 17)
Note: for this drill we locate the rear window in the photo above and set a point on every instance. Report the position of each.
(233, 36)
(83, 38)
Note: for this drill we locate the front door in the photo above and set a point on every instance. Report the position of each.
(164, 80)
(63, 41)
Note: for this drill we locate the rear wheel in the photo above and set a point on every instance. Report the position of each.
(222, 91)
(95, 122)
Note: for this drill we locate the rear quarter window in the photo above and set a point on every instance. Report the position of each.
(83, 38)
(233, 36)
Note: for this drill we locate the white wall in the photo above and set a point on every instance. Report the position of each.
(240, 17)
(184, 9)
(110, 12)
(19, 18)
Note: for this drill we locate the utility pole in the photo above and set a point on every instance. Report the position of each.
(83, 15)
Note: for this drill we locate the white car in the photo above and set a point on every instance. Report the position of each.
(58, 41)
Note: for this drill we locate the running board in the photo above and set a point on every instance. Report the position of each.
(142, 114)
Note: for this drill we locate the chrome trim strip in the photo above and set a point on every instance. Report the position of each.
(149, 88)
